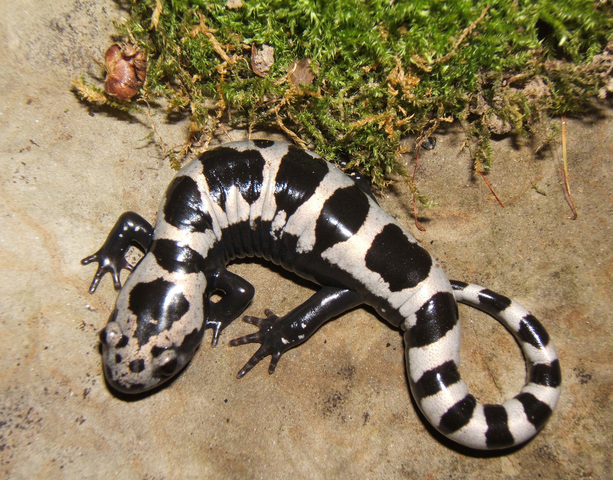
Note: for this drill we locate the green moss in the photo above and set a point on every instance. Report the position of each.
(384, 69)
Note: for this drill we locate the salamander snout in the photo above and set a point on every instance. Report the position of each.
(132, 368)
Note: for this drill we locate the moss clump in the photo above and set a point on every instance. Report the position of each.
(371, 72)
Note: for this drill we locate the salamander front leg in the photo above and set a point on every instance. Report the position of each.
(278, 334)
(236, 294)
(130, 229)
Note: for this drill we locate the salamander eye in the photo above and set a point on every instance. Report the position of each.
(111, 336)
(166, 363)
(104, 340)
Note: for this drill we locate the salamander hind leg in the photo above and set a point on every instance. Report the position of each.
(269, 336)
(279, 334)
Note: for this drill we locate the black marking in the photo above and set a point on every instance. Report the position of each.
(157, 306)
(458, 285)
(118, 358)
(157, 351)
(537, 412)
(493, 300)
(498, 434)
(226, 167)
(175, 258)
(191, 342)
(548, 375)
(137, 366)
(237, 240)
(458, 415)
(263, 143)
(184, 207)
(123, 341)
(386, 310)
(283, 252)
(434, 319)
(342, 215)
(359, 180)
(262, 237)
(400, 262)
(531, 331)
(297, 179)
(437, 379)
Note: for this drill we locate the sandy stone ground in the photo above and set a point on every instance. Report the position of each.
(338, 406)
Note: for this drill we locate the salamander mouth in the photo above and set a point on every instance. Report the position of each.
(131, 376)
(118, 386)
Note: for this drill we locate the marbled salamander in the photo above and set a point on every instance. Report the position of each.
(273, 200)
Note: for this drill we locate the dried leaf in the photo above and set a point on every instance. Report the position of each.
(262, 60)
(301, 72)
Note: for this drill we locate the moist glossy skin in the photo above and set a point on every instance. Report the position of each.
(275, 201)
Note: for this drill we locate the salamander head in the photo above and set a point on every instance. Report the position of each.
(153, 332)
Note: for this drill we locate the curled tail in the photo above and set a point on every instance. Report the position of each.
(432, 354)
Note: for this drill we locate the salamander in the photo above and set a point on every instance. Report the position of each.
(289, 206)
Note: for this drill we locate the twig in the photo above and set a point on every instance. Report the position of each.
(412, 186)
(565, 178)
(367, 120)
(467, 31)
(202, 28)
(417, 224)
(478, 167)
(491, 189)
(288, 132)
